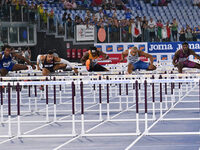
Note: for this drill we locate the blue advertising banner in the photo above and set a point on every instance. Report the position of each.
(154, 58)
(130, 46)
(141, 47)
(164, 57)
(109, 48)
(172, 57)
(99, 47)
(171, 47)
(120, 48)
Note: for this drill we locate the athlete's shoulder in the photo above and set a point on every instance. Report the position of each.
(126, 52)
(13, 54)
(191, 50)
(178, 51)
(42, 57)
(140, 52)
(57, 59)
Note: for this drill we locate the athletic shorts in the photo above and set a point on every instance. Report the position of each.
(93, 66)
(140, 65)
(8, 68)
(97, 67)
(189, 64)
(50, 69)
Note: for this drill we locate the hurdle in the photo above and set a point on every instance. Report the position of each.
(21, 135)
(115, 69)
(1, 91)
(153, 99)
(9, 135)
(47, 103)
(60, 92)
(34, 90)
(54, 119)
(94, 75)
(9, 112)
(18, 102)
(146, 131)
(137, 118)
(108, 117)
(175, 133)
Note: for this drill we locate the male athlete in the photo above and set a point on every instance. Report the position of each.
(134, 63)
(91, 58)
(50, 63)
(181, 58)
(7, 64)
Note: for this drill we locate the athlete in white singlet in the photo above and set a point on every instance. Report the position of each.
(134, 63)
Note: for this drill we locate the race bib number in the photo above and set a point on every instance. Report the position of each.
(6, 65)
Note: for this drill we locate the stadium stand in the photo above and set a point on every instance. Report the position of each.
(53, 17)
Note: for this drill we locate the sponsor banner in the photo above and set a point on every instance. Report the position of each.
(164, 57)
(171, 47)
(142, 47)
(118, 48)
(172, 56)
(99, 47)
(130, 46)
(114, 50)
(115, 58)
(109, 48)
(160, 51)
(154, 58)
(84, 33)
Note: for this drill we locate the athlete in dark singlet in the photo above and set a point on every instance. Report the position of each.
(7, 64)
(90, 59)
(181, 58)
(134, 63)
(50, 63)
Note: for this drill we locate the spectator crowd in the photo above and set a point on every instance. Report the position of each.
(126, 29)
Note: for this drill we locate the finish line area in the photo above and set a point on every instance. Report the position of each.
(109, 110)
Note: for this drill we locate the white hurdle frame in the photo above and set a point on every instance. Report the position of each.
(107, 83)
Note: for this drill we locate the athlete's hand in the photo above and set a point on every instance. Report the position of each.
(151, 66)
(76, 70)
(176, 64)
(121, 60)
(126, 73)
(104, 58)
(33, 66)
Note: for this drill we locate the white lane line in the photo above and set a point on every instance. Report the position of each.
(14, 137)
(64, 144)
(135, 141)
